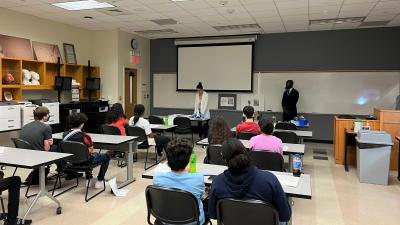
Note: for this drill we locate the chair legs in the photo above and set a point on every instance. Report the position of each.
(3, 214)
(147, 156)
(70, 188)
(87, 190)
(15, 171)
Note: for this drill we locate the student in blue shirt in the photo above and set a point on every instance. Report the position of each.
(244, 181)
(178, 155)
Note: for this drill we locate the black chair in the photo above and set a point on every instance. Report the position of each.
(267, 160)
(112, 130)
(156, 120)
(172, 206)
(239, 212)
(245, 135)
(214, 155)
(285, 126)
(287, 136)
(22, 144)
(79, 161)
(143, 142)
(184, 126)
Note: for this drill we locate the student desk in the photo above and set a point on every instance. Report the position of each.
(288, 149)
(302, 190)
(300, 133)
(161, 127)
(32, 159)
(116, 143)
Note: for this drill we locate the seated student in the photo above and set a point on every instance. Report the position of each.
(248, 125)
(138, 121)
(244, 181)
(117, 118)
(219, 131)
(13, 185)
(178, 155)
(266, 141)
(76, 122)
(37, 133)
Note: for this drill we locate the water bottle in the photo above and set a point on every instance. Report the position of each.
(192, 163)
(296, 165)
(165, 120)
(274, 119)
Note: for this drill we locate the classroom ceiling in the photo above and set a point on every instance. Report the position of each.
(193, 18)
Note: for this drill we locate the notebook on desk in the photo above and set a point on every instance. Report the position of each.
(288, 180)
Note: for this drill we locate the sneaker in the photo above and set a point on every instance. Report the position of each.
(93, 182)
(99, 185)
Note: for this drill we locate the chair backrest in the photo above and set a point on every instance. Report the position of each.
(267, 160)
(172, 206)
(285, 126)
(182, 123)
(239, 212)
(246, 135)
(109, 129)
(156, 120)
(138, 132)
(287, 136)
(79, 151)
(214, 155)
(19, 143)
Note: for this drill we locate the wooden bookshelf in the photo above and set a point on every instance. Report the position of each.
(47, 72)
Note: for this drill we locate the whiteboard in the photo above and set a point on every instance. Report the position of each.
(320, 92)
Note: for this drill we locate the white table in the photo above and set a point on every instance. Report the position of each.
(302, 190)
(300, 133)
(162, 127)
(32, 159)
(288, 149)
(115, 143)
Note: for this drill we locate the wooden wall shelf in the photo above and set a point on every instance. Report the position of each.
(47, 72)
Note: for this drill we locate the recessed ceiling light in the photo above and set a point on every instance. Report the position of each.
(178, 0)
(83, 5)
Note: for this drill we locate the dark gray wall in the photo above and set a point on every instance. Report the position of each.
(361, 49)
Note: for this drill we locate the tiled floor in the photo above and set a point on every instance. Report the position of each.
(338, 199)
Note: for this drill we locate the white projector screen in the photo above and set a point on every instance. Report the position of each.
(219, 68)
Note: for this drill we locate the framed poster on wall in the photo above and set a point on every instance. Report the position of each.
(227, 101)
(69, 51)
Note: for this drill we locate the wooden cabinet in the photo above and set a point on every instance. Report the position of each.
(387, 120)
(47, 72)
(340, 127)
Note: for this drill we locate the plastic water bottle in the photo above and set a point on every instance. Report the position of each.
(296, 165)
(165, 120)
(274, 119)
(192, 163)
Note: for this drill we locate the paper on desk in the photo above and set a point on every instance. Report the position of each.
(117, 192)
(162, 168)
(285, 148)
(288, 180)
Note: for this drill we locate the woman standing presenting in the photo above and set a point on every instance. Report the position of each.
(201, 109)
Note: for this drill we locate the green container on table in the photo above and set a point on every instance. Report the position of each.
(165, 120)
(192, 163)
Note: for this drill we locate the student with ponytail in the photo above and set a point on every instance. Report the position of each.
(242, 180)
(138, 121)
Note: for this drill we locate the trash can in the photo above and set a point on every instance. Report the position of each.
(373, 156)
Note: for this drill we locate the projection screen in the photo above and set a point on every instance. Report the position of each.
(219, 68)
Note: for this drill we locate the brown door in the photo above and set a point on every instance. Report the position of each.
(130, 91)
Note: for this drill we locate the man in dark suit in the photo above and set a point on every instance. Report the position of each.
(289, 101)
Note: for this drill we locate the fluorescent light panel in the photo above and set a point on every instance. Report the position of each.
(83, 5)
